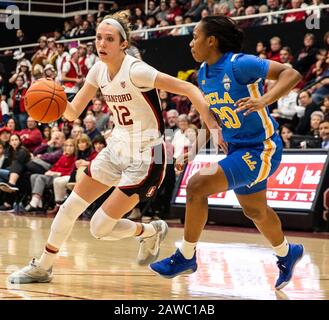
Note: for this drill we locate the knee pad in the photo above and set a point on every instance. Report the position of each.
(101, 225)
(124, 228)
(64, 221)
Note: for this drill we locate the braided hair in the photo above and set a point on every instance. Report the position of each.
(225, 30)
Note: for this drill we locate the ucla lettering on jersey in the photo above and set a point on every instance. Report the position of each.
(222, 91)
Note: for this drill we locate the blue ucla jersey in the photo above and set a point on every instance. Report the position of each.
(233, 77)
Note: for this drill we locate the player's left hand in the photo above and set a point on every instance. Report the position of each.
(249, 105)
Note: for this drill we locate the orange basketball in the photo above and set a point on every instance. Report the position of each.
(45, 101)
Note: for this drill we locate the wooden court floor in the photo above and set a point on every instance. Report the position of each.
(232, 265)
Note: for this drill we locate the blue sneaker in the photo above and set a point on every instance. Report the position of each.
(287, 265)
(174, 265)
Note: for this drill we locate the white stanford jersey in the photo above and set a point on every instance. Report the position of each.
(136, 110)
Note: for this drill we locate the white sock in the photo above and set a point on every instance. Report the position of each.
(40, 205)
(282, 249)
(64, 221)
(35, 201)
(188, 249)
(47, 259)
(149, 230)
(62, 226)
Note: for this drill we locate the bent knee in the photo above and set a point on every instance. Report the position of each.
(101, 225)
(195, 187)
(254, 213)
(98, 234)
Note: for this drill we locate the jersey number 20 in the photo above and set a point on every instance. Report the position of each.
(229, 117)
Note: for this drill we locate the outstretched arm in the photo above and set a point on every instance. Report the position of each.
(177, 86)
(286, 77)
(80, 101)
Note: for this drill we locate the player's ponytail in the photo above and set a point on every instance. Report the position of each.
(228, 34)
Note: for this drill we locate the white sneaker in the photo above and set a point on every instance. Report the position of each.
(135, 214)
(149, 248)
(31, 273)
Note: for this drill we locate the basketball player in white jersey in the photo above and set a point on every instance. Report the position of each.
(134, 159)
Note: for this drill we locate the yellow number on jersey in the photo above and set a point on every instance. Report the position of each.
(229, 117)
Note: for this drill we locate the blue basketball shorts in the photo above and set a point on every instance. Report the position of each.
(247, 168)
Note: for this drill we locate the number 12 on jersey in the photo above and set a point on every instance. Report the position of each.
(123, 115)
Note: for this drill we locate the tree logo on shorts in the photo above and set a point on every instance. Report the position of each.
(151, 191)
(123, 84)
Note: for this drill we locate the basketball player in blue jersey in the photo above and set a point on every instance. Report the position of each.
(232, 84)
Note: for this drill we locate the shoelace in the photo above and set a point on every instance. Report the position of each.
(35, 265)
(281, 266)
(145, 239)
(172, 258)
